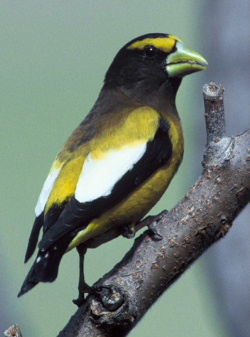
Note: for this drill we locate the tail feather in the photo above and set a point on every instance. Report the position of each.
(44, 269)
(34, 237)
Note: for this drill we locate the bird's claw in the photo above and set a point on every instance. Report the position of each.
(80, 300)
(84, 289)
(128, 231)
(152, 225)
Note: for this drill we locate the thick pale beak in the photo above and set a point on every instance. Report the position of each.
(184, 61)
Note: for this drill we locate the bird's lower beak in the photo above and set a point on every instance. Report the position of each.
(184, 61)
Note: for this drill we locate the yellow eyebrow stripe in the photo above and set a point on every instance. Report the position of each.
(166, 44)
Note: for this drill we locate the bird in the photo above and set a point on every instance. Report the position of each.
(118, 162)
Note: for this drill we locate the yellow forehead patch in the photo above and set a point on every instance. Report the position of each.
(166, 44)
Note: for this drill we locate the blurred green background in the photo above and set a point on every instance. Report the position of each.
(53, 58)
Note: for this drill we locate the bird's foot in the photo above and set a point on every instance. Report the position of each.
(152, 222)
(128, 231)
(80, 300)
(110, 296)
(84, 289)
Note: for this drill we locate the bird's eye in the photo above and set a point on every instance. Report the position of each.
(149, 51)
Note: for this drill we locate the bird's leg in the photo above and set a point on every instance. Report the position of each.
(82, 285)
(128, 231)
(151, 222)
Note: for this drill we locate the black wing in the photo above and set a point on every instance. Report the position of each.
(76, 216)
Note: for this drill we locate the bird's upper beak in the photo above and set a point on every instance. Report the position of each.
(184, 61)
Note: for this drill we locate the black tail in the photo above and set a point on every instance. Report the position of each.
(44, 269)
(34, 237)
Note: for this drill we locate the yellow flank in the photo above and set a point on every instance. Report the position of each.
(65, 184)
(135, 207)
(137, 204)
(166, 44)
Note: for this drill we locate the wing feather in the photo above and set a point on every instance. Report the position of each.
(98, 177)
(78, 213)
(66, 202)
(47, 188)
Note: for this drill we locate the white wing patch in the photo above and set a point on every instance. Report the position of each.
(47, 187)
(98, 177)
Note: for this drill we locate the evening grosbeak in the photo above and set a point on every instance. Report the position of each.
(119, 161)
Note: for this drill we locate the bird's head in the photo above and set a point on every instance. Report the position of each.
(144, 64)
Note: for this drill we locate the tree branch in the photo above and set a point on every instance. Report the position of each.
(202, 217)
(13, 331)
(214, 111)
